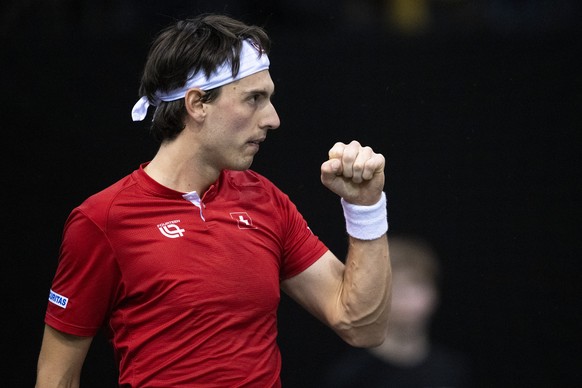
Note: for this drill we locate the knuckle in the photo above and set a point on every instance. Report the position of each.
(358, 167)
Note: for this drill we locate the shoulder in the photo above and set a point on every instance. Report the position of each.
(98, 205)
(456, 362)
(247, 178)
(348, 369)
(447, 354)
(249, 181)
(111, 192)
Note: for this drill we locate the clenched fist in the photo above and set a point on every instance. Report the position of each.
(354, 172)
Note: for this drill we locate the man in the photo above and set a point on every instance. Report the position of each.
(182, 261)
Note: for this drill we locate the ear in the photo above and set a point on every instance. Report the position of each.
(194, 105)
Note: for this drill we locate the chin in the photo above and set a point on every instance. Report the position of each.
(241, 166)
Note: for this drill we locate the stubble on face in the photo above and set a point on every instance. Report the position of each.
(234, 133)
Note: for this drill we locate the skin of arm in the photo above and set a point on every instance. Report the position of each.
(352, 298)
(61, 359)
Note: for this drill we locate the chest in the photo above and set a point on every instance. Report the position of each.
(182, 255)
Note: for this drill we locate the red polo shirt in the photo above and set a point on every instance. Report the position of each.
(188, 294)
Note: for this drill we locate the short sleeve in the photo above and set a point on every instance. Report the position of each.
(87, 277)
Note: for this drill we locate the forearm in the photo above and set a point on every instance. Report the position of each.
(359, 313)
(61, 359)
(364, 300)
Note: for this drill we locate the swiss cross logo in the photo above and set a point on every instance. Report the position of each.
(243, 220)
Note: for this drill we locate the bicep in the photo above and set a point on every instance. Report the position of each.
(61, 357)
(318, 288)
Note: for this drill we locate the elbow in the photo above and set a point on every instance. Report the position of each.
(364, 330)
(366, 336)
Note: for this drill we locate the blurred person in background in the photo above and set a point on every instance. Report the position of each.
(408, 357)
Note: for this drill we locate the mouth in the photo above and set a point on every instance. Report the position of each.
(256, 142)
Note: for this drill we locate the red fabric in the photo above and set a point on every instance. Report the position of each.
(185, 301)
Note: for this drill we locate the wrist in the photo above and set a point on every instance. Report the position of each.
(366, 222)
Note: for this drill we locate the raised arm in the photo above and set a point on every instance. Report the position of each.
(353, 299)
(61, 359)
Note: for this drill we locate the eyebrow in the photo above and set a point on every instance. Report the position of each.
(263, 92)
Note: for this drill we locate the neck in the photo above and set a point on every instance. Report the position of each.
(404, 347)
(179, 170)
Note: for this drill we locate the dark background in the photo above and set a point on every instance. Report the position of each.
(476, 107)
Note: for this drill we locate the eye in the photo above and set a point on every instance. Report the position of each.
(259, 97)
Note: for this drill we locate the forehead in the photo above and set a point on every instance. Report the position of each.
(411, 276)
(260, 81)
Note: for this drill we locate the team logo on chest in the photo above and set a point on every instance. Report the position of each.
(171, 229)
(243, 220)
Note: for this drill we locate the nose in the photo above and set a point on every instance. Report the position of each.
(271, 119)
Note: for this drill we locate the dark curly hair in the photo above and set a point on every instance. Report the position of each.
(189, 46)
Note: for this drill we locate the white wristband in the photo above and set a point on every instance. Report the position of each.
(366, 222)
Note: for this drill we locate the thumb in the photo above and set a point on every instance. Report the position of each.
(330, 169)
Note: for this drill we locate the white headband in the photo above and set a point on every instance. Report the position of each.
(251, 61)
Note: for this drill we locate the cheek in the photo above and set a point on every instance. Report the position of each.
(412, 302)
(233, 117)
